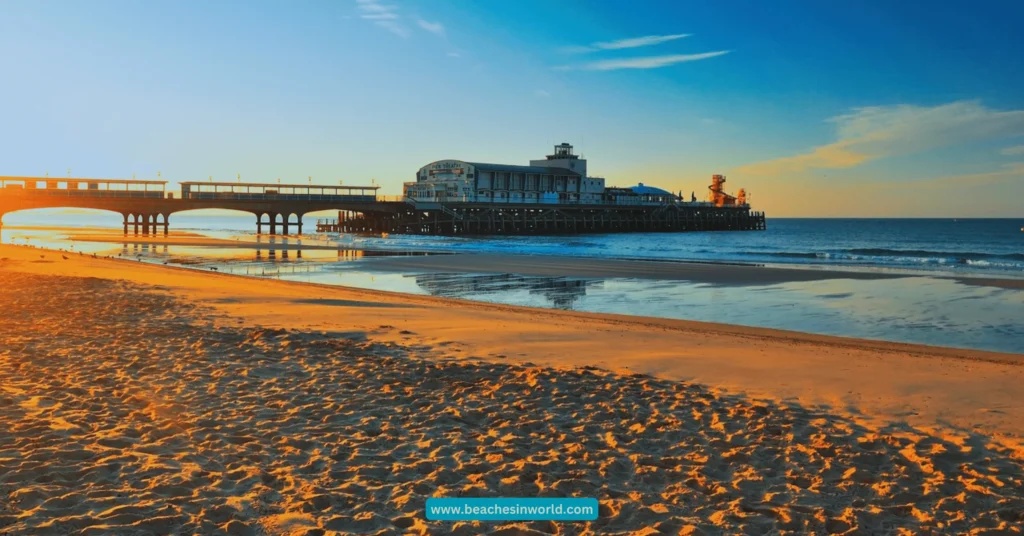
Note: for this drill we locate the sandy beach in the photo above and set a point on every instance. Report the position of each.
(143, 399)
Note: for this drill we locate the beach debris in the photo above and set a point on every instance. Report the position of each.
(65, 257)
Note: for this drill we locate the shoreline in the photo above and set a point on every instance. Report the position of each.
(547, 265)
(669, 324)
(922, 385)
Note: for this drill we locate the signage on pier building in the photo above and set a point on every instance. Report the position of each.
(445, 170)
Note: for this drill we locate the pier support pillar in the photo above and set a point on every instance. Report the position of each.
(273, 224)
(259, 224)
(167, 223)
(300, 225)
(136, 220)
(125, 216)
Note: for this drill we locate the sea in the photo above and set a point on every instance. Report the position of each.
(929, 306)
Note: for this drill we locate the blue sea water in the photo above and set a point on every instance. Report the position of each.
(972, 246)
(991, 247)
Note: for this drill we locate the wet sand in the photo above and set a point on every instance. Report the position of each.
(698, 272)
(1012, 284)
(196, 402)
(197, 240)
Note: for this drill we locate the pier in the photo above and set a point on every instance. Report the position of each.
(453, 219)
(146, 208)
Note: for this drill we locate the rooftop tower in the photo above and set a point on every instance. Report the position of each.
(563, 157)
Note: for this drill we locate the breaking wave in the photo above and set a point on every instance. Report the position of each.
(898, 257)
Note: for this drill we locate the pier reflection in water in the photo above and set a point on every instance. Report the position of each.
(136, 249)
(561, 292)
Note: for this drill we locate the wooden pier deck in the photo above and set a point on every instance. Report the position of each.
(515, 219)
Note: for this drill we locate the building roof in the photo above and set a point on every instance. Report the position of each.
(72, 179)
(506, 168)
(640, 189)
(276, 185)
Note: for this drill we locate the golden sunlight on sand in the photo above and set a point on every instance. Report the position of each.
(128, 408)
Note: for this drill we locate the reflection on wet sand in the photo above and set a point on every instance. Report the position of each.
(142, 250)
(272, 254)
(562, 292)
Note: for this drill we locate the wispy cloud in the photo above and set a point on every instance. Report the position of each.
(454, 55)
(394, 28)
(1013, 151)
(541, 93)
(433, 27)
(867, 134)
(633, 42)
(649, 62)
(1008, 173)
(383, 15)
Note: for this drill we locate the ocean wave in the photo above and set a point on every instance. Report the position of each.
(882, 252)
(943, 257)
(699, 248)
(899, 258)
(791, 254)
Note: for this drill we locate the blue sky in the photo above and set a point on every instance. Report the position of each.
(869, 108)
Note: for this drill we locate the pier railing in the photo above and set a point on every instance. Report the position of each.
(55, 192)
(280, 197)
(555, 203)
